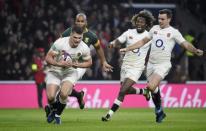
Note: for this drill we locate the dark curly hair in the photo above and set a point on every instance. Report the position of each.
(149, 18)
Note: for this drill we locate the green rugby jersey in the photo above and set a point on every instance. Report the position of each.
(89, 37)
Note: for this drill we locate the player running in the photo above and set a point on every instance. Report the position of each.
(133, 61)
(89, 38)
(62, 73)
(163, 37)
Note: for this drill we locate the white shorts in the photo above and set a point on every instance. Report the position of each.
(56, 78)
(161, 69)
(132, 73)
(81, 72)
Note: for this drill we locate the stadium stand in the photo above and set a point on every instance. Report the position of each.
(30, 24)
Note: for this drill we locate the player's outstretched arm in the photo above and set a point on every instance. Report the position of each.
(106, 67)
(114, 44)
(192, 49)
(135, 45)
(84, 64)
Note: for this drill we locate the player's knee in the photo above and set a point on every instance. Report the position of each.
(151, 86)
(63, 100)
(51, 99)
(63, 95)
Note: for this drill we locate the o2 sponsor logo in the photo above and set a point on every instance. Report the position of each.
(160, 44)
(137, 51)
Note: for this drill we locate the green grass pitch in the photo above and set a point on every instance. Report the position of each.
(186, 119)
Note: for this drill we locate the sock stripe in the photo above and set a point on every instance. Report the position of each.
(118, 102)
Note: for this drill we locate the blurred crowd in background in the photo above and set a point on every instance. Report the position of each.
(30, 24)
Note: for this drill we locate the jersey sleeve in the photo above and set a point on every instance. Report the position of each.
(151, 32)
(123, 38)
(56, 47)
(178, 37)
(94, 40)
(66, 33)
(86, 54)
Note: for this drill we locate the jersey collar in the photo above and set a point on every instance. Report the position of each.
(85, 29)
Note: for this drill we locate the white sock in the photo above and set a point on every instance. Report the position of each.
(137, 91)
(110, 112)
(57, 115)
(118, 102)
(156, 90)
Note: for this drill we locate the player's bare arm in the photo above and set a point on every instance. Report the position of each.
(84, 64)
(136, 45)
(192, 49)
(50, 59)
(114, 44)
(106, 67)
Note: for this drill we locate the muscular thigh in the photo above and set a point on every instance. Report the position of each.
(66, 88)
(161, 69)
(126, 84)
(154, 81)
(51, 90)
(52, 84)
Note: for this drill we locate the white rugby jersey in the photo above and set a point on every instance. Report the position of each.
(81, 52)
(136, 57)
(163, 41)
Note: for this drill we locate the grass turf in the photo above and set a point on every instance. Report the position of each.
(188, 119)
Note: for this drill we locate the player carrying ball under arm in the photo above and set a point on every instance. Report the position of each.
(62, 74)
(163, 37)
(89, 38)
(133, 61)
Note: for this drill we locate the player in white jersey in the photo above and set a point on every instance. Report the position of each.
(89, 38)
(163, 38)
(133, 61)
(63, 57)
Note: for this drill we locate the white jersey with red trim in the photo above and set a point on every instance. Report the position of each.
(62, 47)
(134, 58)
(163, 41)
